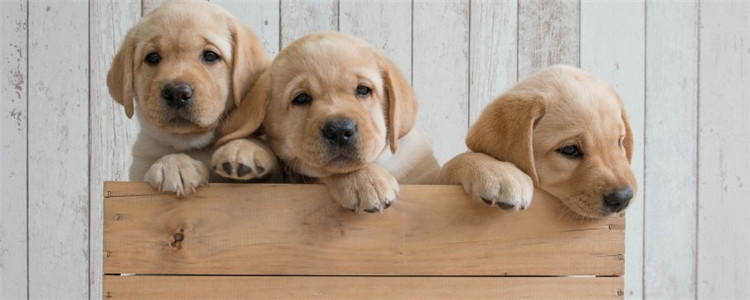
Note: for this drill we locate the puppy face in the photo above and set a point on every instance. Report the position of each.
(569, 131)
(333, 104)
(185, 64)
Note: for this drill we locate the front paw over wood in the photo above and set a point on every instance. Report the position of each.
(245, 159)
(494, 182)
(177, 173)
(370, 189)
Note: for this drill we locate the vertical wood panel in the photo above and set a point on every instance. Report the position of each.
(441, 74)
(112, 133)
(13, 116)
(670, 164)
(299, 17)
(493, 52)
(724, 143)
(261, 16)
(58, 150)
(149, 5)
(613, 47)
(384, 25)
(547, 35)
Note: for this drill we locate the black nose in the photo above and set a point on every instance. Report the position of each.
(340, 132)
(618, 200)
(177, 95)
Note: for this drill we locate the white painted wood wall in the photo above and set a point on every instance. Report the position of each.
(683, 69)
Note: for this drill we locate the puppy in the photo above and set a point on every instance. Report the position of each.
(186, 64)
(339, 113)
(567, 132)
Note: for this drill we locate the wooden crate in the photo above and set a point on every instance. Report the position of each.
(268, 241)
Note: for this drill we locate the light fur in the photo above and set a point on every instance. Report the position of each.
(526, 127)
(174, 145)
(330, 66)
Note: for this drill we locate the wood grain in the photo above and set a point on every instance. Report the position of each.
(112, 133)
(384, 25)
(315, 287)
(670, 194)
(262, 16)
(58, 139)
(548, 34)
(299, 17)
(441, 74)
(723, 268)
(613, 47)
(149, 5)
(296, 229)
(13, 150)
(493, 52)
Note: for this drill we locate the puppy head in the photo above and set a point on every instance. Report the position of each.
(185, 64)
(332, 105)
(568, 130)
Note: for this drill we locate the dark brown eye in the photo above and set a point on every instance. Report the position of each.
(571, 151)
(153, 58)
(363, 91)
(210, 56)
(302, 99)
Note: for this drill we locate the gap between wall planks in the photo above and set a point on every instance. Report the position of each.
(616, 53)
(266, 229)
(671, 164)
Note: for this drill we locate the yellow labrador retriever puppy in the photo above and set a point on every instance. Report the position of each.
(339, 113)
(567, 132)
(186, 65)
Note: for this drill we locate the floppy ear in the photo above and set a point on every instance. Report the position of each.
(504, 130)
(248, 117)
(628, 142)
(120, 75)
(249, 59)
(402, 103)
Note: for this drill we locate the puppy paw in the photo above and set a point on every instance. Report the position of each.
(370, 189)
(494, 182)
(177, 173)
(244, 159)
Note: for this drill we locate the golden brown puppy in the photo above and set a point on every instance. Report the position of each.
(342, 114)
(566, 130)
(186, 64)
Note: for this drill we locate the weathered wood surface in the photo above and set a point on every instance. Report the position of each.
(548, 34)
(111, 130)
(13, 149)
(493, 52)
(671, 144)
(58, 150)
(297, 230)
(299, 17)
(723, 244)
(440, 73)
(321, 287)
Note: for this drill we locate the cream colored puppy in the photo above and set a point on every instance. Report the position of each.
(186, 64)
(339, 113)
(562, 130)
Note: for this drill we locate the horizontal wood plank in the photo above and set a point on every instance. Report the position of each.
(257, 229)
(315, 287)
